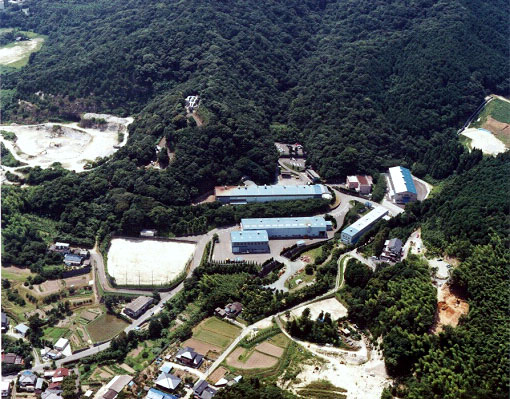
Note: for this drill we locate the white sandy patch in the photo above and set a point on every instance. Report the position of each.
(72, 146)
(136, 262)
(485, 141)
(331, 306)
(364, 381)
(10, 55)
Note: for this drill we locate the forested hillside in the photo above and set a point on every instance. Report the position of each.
(364, 84)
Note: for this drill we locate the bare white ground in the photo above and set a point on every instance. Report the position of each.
(146, 262)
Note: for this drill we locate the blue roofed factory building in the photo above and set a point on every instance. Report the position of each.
(249, 241)
(299, 227)
(402, 189)
(253, 193)
(352, 233)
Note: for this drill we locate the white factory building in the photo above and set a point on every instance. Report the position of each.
(300, 227)
(253, 193)
(351, 234)
(401, 185)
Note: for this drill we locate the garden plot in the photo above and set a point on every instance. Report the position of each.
(331, 306)
(147, 262)
(241, 359)
(105, 327)
(72, 146)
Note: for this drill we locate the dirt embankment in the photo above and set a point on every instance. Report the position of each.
(450, 308)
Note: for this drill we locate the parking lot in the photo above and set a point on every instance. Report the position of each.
(223, 249)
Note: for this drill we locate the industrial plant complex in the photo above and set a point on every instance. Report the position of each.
(253, 193)
(255, 234)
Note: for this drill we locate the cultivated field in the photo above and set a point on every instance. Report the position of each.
(331, 306)
(69, 144)
(147, 262)
(242, 359)
(212, 336)
(105, 327)
(485, 141)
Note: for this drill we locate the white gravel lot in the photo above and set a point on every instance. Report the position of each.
(145, 262)
(485, 141)
(331, 306)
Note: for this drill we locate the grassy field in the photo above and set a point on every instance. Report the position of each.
(498, 109)
(16, 274)
(322, 390)
(313, 253)
(53, 334)
(291, 282)
(105, 327)
(143, 355)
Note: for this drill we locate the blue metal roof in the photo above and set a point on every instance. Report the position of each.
(365, 221)
(157, 394)
(274, 190)
(249, 236)
(283, 223)
(408, 179)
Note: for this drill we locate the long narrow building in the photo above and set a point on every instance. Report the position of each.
(290, 227)
(351, 234)
(253, 193)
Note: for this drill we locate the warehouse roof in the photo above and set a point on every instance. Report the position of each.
(402, 180)
(272, 223)
(365, 221)
(275, 190)
(249, 236)
(136, 304)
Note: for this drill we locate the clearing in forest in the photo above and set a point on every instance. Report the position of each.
(147, 262)
(16, 54)
(449, 309)
(74, 147)
(331, 306)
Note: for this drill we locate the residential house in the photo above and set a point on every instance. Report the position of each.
(22, 329)
(39, 386)
(73, 260)
(27, 380)
(62, 247)
(168, 381)
(5, 322)
(361, 183)
(189, 357)
(5, 386)
(233, 309)
(114, 387)
(166, 367)
(202, 390)
(11, 358)
(153, 393)
(138, 306)
(220, 312)
(392, 251)
(59, 374)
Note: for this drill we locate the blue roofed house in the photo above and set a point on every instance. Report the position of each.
(401, 188)
(27, 380)
(73, 260)
(157, 394)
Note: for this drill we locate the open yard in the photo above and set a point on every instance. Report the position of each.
(16, 54)
(147, 262)
(72, 146)
(484, 140)
(331, 306)
(16, 273)
(105, 327)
